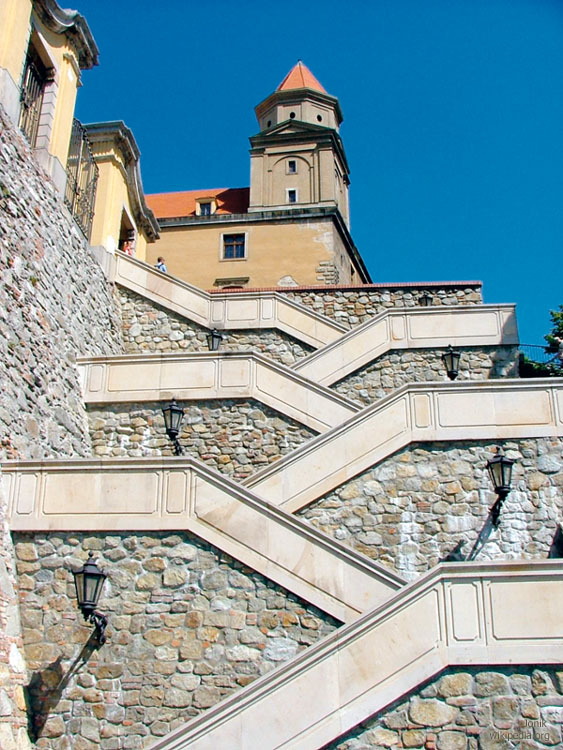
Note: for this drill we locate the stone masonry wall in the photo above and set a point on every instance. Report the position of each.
(147, 327)
(395, 368)
(236, 437)
(350, 307)
(188, 625)
(411, 510)
(55, 304)
(513, 708)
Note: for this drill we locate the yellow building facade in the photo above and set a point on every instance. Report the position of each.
(291, 226)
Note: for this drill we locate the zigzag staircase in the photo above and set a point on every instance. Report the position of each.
(382, 652)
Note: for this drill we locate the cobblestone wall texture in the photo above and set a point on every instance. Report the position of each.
(412, 509)
(233, 436)
(147, 327)
(352, 307)
(188, 625)
(55, 304)
(396, 368)
(475, 709)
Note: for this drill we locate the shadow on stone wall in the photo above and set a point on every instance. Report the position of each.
(46, 688)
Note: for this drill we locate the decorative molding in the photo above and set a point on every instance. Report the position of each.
(73, 26)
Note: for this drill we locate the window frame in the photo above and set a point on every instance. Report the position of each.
(222, 248)
(288, 169)
(287, 194)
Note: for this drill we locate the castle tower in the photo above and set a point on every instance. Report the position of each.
(297, 158)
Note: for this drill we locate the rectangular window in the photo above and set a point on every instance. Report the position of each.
(233, 246)
(292, 166)
(205, 209)
(292, 196)
(31, 96)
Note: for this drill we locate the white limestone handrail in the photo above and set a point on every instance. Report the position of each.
(474, 325)
(232, 311)
(211, 375)
(183, 494)
(487, 410)
(464, 614)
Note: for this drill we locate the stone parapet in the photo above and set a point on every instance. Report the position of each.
(459, 615)
(420, 412)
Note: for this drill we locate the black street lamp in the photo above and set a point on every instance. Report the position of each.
(425, 300)
(214, 338)
(500, 472)
(89, 581)
(173, 415)
(451, 358)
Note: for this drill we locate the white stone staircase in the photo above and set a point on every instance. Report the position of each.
(158, 494)
(464, 614)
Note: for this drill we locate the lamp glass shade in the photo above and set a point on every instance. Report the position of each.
(214, 338)
(500, 472)
(451, 359)
(173, 415)
(89, 581)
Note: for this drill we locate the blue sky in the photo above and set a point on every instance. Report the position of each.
(453, 121)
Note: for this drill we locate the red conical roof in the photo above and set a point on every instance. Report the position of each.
(300, 77)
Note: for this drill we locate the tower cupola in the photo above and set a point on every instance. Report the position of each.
(301, 97)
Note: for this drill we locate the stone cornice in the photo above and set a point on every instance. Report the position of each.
(73, 26)
(123, 140)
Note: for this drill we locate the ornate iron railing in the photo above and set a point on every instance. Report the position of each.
(31, 97)
(82, 179)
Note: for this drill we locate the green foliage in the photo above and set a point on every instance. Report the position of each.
(555, 337)
(529, 369)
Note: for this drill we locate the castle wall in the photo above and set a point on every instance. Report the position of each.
(188, 625)
(396, 368)
(350, 307)
(234, 437)
(55, 305)
(470, 709)
(413, 508)
(147, 328)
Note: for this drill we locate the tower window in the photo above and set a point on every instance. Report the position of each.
(234, 246)
(292, 115)
(269, 124)
(320, 118)
(292, 166)
(292, 195)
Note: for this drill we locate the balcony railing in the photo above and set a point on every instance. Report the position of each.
(82, 179)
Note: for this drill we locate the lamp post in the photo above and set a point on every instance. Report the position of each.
(173, 415)
(451, 358)
(89, 581)
(500, 472)
(214, 338)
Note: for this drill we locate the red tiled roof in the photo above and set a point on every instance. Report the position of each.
(174, 205)
(300, 77)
